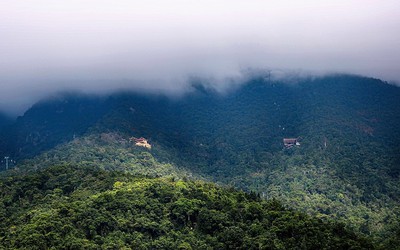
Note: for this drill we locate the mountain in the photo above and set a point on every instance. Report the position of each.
(5, 120)
(347, 167)
(51, 122)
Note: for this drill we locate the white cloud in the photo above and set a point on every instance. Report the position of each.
(99, 45)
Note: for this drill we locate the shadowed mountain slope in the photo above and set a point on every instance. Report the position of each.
(347, 166)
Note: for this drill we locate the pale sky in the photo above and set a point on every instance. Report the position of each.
(102, 45)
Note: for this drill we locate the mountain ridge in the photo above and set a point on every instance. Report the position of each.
(346, 167)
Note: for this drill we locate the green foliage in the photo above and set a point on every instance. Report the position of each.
(69, 207)
(347, 167)
(108, 151)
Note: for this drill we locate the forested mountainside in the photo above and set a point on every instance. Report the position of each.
(51, 122)
(346, 168)
(4, 120)
(69, 207)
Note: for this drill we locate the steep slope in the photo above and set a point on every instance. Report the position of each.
(85, 208)
(4, 143)
(51, 122)
(347, 166)
(4, 120)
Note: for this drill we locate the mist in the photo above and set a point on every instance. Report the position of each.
(100, 46)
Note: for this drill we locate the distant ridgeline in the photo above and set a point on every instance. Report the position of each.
(347, 167)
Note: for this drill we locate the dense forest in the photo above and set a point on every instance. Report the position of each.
(69, 207)
(5, 120)
(346, 169)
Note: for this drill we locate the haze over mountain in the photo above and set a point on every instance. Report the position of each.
(346, 168)
(199, 124)
(101, 46)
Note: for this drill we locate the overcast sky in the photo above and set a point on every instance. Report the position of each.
(101, 45)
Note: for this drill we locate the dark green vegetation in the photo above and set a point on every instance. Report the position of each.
(346, 169)
(51, 122)
(4, 120)
(85, 208)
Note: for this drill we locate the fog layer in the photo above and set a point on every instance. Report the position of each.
(102, 45)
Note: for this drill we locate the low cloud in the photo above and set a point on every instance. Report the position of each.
(99, 46)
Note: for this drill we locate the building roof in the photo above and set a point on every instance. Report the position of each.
(289, 140)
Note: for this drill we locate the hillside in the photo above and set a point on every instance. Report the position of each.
(4, 120)
(70, 207)
(347, 167)
(51, 122)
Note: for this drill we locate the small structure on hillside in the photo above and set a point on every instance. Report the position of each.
(141, 142)
(290, 142)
